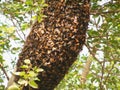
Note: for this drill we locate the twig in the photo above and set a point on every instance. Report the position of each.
(92, 53)
(102, 77)
(19, 27)
(2, 68)
(109, 72)
(17, 30)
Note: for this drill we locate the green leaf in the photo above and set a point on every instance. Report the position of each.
(14, 87)
(24, 26)
(39, 70)
(1, 80)
(36, 79)
(22, 73)
(16, 73)
(32, 74)
(33, 84)
(25, 66)
(29, 2)
(2, 87)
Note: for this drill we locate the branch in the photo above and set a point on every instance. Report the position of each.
(102, 76)
(17, 30)
(12, 20)
(109, 72)
(92, 53)
(19, 27)
(97, 12)
(2, 68)
(86, 69)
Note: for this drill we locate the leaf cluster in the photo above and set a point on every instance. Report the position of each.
(28, 76)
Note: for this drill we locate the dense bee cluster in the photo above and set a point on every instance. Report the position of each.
(55, 43)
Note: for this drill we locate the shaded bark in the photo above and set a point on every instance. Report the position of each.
(55, 43)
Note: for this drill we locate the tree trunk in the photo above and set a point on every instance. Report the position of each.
(55, 43)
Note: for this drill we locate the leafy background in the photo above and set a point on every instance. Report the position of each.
(102, 46)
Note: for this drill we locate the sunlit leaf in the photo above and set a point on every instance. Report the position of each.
(33, 84)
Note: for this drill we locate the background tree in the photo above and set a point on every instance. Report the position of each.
(103, 43)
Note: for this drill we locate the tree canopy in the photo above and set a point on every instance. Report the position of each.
(101, 50)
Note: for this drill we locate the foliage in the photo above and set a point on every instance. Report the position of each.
(16, 19)
(27, 77)
(103, 42)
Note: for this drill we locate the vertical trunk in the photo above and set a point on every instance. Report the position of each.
(55, 43)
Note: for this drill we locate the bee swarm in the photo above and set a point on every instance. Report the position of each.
(55, 43)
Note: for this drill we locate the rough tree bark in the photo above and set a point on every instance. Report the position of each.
(55, 43)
